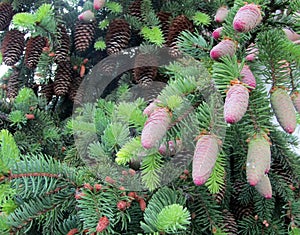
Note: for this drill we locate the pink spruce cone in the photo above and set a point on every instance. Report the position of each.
(221, 14)
(291, 34)
(205, 156)
(98, 4)
(264, 187)
(87, 16)
(151, 107)
(296, 100)
(247, 18)
(258, 159)
(216, 34)
(223, 48)
(284, 110)
(236, 103)
(248, 77)
(155, 127)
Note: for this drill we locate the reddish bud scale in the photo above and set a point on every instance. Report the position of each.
(264, 187)
(171, 148)
(223, 48)
(155, 128)
(247, 18)
(236, 103)
(216, 34)
(87, 16)
(98, 187)
(102, 224)
(98, 4)
(296, 100)
(73, 231)
(88, 186)
(221, 14)
(109, 180)
(204, 159)
(142, 204)
(122, 205)
(29, 116)
(258, 159)
(248, 77)
(284, 110)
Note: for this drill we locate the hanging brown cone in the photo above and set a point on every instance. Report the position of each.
(164, 18)
(84, 35)
(135, 10)
(145, 74)
(62, 51)
(63, 78)
(230, 226)
(47, 90)
(118, 36)
(12, 47)
(179, 24)
(34, 49)
(13, 85)
(74, 87)
(6, 14)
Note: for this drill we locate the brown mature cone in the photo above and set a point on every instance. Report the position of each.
(47, 91)
(230, 226)
(63, 78)
(145, 74)
(6, 14)
(62, 51)
(118, 36)
(135, 10)
(12, 47)
(164, 18)
(34, 49)
(13, 85)
(179, 24)
(84, 35)
(75, 85)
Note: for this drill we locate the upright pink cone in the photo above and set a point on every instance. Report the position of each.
(236, 103)
(205, 156)
(284, 109)
(216, 34)
(248, 77)
(87, 16)
(98, 4)
(223, 48)
(247, 18)
(221, 14)
(264, 187)
(155, 128)
(258, 159)
(296, 100)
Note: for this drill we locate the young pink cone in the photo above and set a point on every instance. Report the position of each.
(216, 34)
(87, 16)
(236, 103)
(296, 100)
(264, 187)
(247, 18)
(205, 156)
(221, 14)
(258, 159)
(98, 4)
(155, 127)
(151, 107)
(248, 77)
(284, 110)
(291, 34)
(225, 47)
(252, 52)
